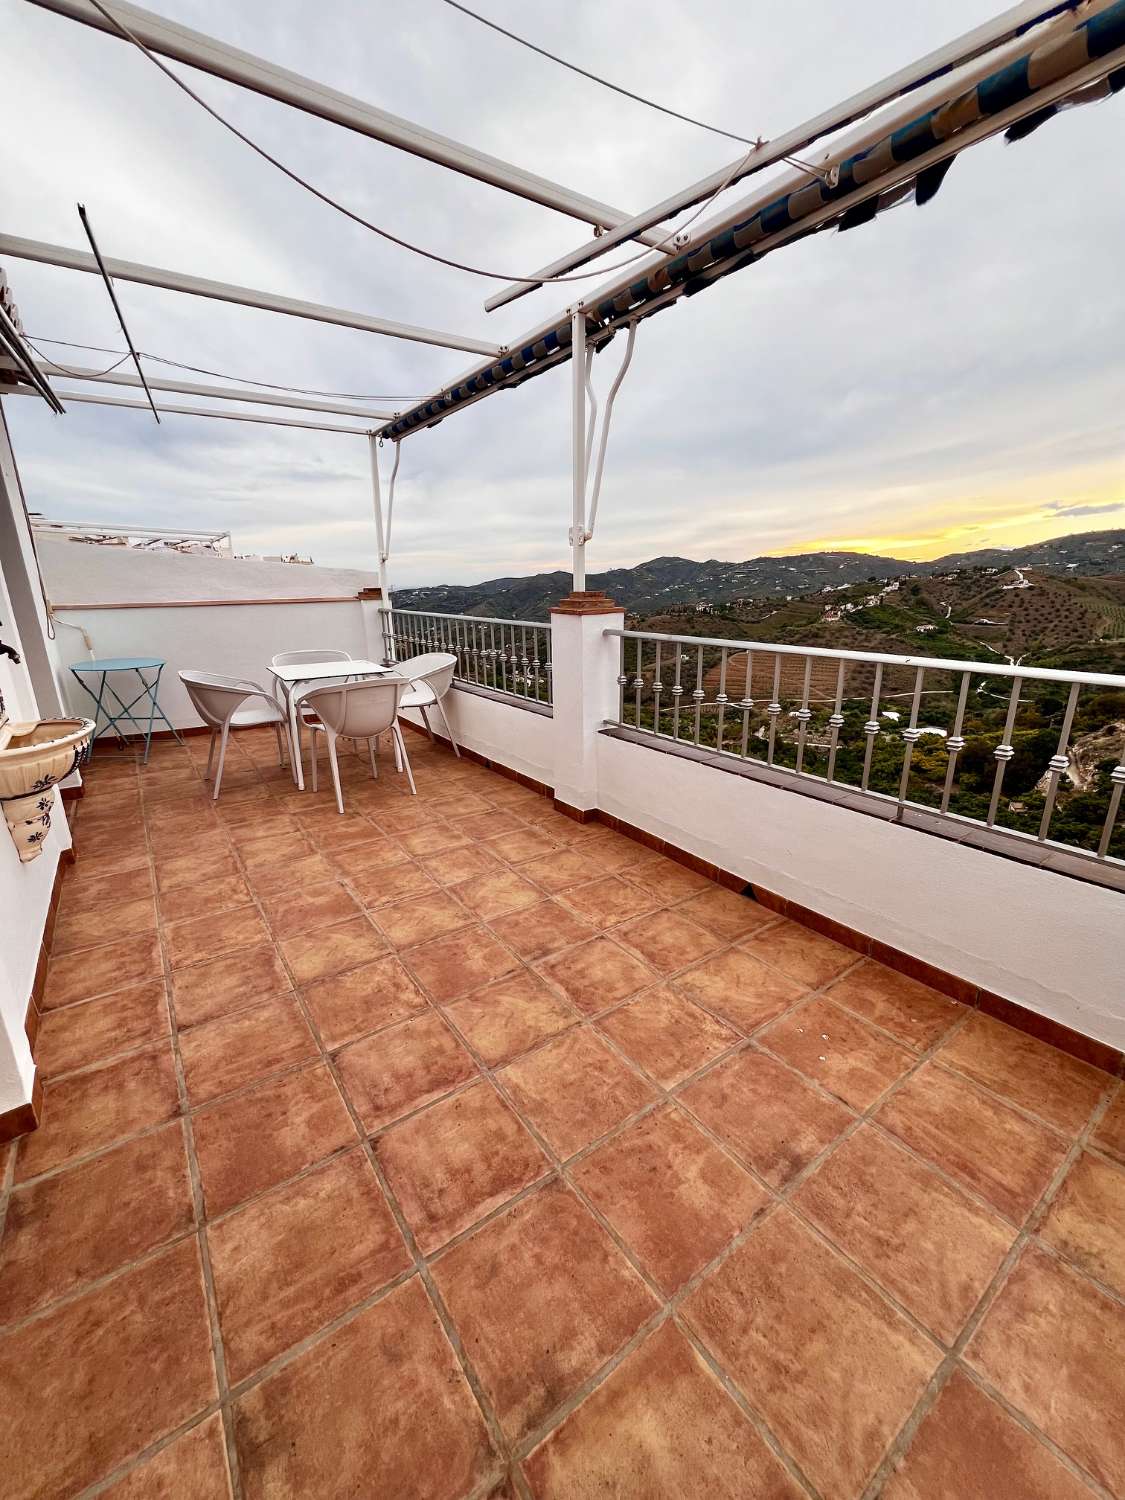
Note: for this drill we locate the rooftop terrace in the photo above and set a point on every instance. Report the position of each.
(458, 1148)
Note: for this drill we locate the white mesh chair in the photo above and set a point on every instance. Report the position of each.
(218, 702)
(358, 711)
(430, 677)
(292, 692)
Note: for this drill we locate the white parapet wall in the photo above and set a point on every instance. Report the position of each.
(507, 733)
(1047, 941)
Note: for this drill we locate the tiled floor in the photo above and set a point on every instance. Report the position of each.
(455, 1149)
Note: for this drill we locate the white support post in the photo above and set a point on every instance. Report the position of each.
(578, 450)
(387, 651)
(584, 667)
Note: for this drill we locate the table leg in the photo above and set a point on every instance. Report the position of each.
(295, 733)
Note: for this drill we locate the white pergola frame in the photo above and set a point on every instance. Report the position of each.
(866, 118)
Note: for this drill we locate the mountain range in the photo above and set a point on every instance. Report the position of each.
(654, 586)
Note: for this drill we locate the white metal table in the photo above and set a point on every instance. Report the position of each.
(303, 673)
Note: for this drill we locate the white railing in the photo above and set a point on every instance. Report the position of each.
(512, 657)
(1035, 752)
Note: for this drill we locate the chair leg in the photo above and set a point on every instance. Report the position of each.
(313, 738)
(210, 754)
(373, 751)
(332, 761)
(404, 765)
(280, 751)
(441, 710)
(396, 740)
(222, 758)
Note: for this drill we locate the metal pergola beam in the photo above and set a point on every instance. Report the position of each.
(978, 44)
(195, 388)
(193, 411)
(221, 291)
(222, 61)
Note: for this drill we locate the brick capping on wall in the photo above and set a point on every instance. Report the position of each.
(590, 602)
(1087, 1049)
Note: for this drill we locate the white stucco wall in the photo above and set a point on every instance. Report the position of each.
(506, 733)
(1046, 941)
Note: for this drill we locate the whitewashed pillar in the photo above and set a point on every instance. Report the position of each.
(584, 665)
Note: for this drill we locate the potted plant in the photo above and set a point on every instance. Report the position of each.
(34, 757)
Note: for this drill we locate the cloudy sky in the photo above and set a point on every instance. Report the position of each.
(948, 377)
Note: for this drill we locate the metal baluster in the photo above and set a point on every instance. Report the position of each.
(910, 735)
(525, 665)
(804, 714)
(697, 691)
(835, 723)
(871, 728)
(1004, 750)
(1058, 762)
(747, 703)
(773, 708)
(638, 684)
(505, 663)
(1117, 782)
(549, 666)
(657, 689)
(622, 683)
(955, 743)
(677, 690)
(721, 700)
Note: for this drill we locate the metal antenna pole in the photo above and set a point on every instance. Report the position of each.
(116, 307)
(578, 454)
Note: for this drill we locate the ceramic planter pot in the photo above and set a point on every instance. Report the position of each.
(34, 758)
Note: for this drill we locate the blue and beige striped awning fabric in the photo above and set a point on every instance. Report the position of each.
(1047, 65)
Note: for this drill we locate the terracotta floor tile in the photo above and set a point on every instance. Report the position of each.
(604, 903)
(575, 1089)
(671, 1194)
(126, 1363)
(382, 887)
(969, 1448)
(597, 975)
(97, 971)
(1110, 1134)
(490, 824)
(806, 956)
(452, 966)
(1054, 1346)
(1086, 1220)
(782, 1297)
(1005, 1157)
(377, 854)
(457, 1161)
(497, 894)
(510, 1016)
(273, 849)
(544, 929)
(88, 929)
(561, 869)
(660, 1425)
(1051, 1084)
(541, 1298)
(521, 845)
(293, 1260)
(422, 918)
(769, 1114)
(194, 1467)
(96, 1030)
(64, 1231)
(403, 1068)
(188, 901)
(206, 937)
(195, 870)
(913, 1013)
(221, 985)
(739, 988)
(454, 866)
(923, 1241)
(434, 838)
(309, 909)
(726, 913)
(94, 893)
(332, 950)
(668, 941)
(255, 1140)
(88, 1111)
(666, 879)
(290, 875)
(614, 852)
(331, 831)
(844, 1055)
(351, 1005)
(234, 1050)
(379, 1408)
(667, 1036)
